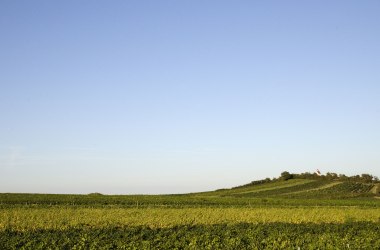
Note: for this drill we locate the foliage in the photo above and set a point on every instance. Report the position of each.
(286, 176)
(306, 211)
(351, 235)
(363, 178)
(24, 219)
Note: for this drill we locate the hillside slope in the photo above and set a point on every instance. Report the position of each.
(300, 188)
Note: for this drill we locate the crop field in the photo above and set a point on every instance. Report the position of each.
(293, 214)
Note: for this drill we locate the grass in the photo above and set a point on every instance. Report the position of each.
(354, 235)
(313, 214)
(23, 219)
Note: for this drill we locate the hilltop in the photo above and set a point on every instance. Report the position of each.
(306, 186)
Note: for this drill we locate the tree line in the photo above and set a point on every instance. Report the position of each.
(364, 178)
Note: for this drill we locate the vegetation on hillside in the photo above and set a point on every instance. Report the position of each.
(307, 186)
(293, 211)
(363, 178)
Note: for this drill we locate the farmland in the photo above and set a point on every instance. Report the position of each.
(303, 213)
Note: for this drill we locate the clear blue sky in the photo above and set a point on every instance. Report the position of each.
(180, 96)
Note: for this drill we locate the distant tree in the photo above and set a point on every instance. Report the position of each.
(331, 176)
(367, 178)
(342, 177)
(286, 176)
(305, 175)
(316, 176)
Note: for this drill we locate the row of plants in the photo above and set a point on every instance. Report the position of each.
(26, 219)
(329, 198)
(358, 235)
(285, 190)
(339, 191)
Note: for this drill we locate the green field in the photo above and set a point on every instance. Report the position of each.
(280, 214)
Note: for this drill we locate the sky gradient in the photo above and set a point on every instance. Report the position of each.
(124, 97)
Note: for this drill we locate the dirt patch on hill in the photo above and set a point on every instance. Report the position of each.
(376, 190)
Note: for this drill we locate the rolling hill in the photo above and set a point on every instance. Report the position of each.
(286, 190)
(305, 186)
